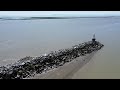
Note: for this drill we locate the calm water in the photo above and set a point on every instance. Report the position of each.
(20, 38)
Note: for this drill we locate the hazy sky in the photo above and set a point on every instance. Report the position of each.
(59, 13)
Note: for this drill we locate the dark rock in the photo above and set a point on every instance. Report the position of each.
(28, 66)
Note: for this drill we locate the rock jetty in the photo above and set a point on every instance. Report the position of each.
(29, 66)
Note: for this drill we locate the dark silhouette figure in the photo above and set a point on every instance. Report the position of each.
(94, 38)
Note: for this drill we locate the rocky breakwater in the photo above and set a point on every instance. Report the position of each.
(29, 66)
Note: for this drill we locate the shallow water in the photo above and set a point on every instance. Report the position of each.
(20, 38)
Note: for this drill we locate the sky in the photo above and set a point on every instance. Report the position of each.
(59, 13)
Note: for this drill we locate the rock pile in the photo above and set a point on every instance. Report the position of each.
(29, 66)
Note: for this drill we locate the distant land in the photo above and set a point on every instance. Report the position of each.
(34, 18)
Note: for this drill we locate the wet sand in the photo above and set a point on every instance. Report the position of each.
(66, 71)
